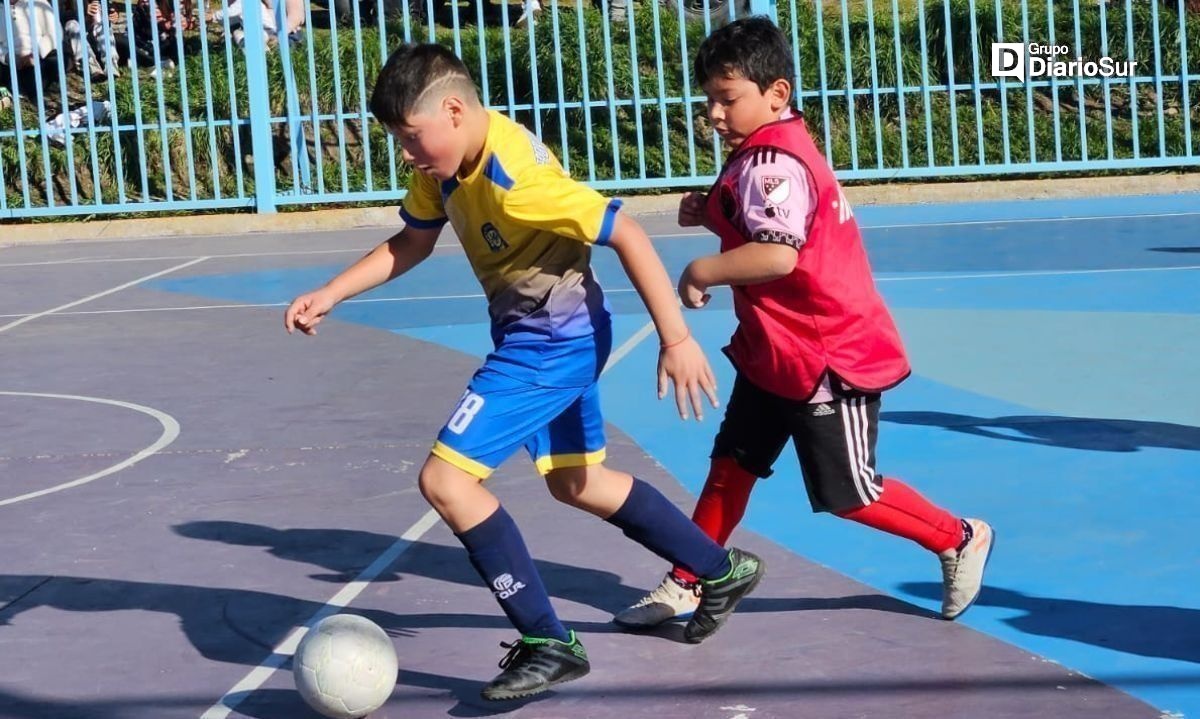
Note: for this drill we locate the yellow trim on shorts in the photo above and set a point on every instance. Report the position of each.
(563, 461)
(466, 464)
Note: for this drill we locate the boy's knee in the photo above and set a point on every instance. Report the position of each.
(440, 483)
(429, 484)
(568, 485)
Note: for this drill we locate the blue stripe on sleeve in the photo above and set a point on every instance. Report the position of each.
(419, 223)
(494, 171)
(610, 217)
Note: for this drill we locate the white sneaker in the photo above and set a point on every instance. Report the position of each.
(962, 569)
(667, 601)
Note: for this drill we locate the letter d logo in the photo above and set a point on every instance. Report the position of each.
(1008, 60)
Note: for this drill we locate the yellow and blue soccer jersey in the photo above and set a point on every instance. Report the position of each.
(527, 229)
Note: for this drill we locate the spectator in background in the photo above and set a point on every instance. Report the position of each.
(293, 13)
(295, 19)
(151, 20)
(234, 13)
(90, 38)
(36, 39)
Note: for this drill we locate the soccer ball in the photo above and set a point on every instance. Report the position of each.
(345, 667)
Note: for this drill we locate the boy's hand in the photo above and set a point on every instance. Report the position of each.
(692, 293)
(307, 311)
(685, 365)
(691, 209)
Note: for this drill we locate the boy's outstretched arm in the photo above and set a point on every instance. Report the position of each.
(750, 264)
(680, 358)
(392, 258)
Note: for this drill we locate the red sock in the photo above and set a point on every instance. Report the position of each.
(900, 510)
(722, 504)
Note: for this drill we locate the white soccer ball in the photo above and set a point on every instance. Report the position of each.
(345, 667)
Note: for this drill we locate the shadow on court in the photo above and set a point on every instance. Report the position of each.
(224, 625)
(1146, 630)
(283, 704)
(15, 705)
(345, 552)
(1105, 435)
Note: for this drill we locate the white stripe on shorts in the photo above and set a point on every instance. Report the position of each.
(868, 464)
(859, 448)
(849, 429)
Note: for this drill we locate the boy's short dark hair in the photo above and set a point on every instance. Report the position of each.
(753, 47)
(412, 76)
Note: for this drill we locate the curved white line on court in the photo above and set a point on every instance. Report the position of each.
(170, 432)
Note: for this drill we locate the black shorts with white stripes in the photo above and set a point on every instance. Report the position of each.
(834, 440)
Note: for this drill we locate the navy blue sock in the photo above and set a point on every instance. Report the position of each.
(498, 553)
(649, 518)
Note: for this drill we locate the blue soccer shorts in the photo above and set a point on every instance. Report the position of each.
(559, 426)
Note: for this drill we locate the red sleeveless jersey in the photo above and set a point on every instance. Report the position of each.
(827, 314)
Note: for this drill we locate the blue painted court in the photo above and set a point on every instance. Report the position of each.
(1055, 353)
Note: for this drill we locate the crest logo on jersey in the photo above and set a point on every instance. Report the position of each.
(776, 189)
(492, 237)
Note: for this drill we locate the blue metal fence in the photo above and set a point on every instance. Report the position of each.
(200, 111)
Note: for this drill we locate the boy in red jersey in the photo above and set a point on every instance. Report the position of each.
(815, 346)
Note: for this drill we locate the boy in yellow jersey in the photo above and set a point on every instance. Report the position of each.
(527, 229)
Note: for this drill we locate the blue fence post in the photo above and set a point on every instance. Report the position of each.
(259, 108)
(609, 110)
(765, 7)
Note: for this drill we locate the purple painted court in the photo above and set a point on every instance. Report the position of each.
(183, 485)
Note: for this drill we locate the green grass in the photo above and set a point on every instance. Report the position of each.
(212, 157)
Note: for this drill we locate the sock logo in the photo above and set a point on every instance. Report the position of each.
(505, 586)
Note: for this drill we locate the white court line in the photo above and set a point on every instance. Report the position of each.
(619, 290)
(413, 298)
(1024, 220)
(160, 258)
(626, 347)
(285, 649)
(347, 594)
(170, 432)
(657, 235)
(1035, 273)
(98, 295)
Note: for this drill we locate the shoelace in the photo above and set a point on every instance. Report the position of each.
(968, 535)
(662, 593)
(515, 651)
